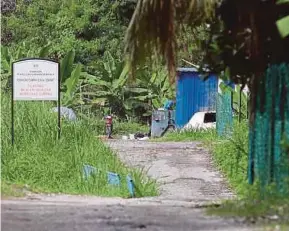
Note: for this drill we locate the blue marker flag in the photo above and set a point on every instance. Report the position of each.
(88, 170)
(130, 186)
(113, 178)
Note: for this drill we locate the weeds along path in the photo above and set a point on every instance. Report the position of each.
(186, 179)
(183, 169)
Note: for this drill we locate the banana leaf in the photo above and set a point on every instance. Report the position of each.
(72, 81)
(66, 65)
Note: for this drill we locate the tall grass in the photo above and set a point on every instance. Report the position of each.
(231, 156)
(43, 162)
(189, 135)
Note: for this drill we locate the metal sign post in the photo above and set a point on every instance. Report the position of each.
(35, 79)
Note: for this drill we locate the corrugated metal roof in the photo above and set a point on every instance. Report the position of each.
(191, 69)
(187, 69)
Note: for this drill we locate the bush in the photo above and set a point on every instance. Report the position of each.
(43, 162)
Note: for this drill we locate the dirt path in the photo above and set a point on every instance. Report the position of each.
(186, 180)
(183, 169)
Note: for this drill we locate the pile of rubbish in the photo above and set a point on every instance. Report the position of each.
(136, 136)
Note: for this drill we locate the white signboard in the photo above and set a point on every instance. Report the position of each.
(35, 79)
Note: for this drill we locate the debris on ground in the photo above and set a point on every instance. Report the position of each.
(136, 136)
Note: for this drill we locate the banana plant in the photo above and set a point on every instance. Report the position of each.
(153, 90)
(73, 80)
(71, 95)
(108, 87)
(67, 66)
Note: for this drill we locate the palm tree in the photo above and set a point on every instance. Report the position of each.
(155, 25)
(245, 40)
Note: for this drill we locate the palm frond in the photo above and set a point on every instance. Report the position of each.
(154, 27)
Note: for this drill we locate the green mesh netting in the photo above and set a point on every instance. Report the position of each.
(268, 160)
(224, 114)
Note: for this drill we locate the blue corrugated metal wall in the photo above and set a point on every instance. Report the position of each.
(194, 94)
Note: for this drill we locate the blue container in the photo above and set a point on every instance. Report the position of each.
(194, 94)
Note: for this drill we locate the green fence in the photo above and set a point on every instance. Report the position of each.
(224, 114)
(268, 160)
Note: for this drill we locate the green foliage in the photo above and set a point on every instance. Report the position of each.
(66, 65)
(71, 83)
(90, 27)
(86, 38)
(240, 103)
(110, 89)
(43, 162)
(109, 86)
(153, 89)
(190, 43)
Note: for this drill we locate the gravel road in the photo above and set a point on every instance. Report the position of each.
(187, 180)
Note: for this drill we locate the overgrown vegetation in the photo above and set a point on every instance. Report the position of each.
(45, 163)
(107, 91)
(241, 47)
(87, 38)
(263, 206)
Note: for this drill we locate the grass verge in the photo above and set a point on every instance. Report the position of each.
(188, 135)
(231, 157)
(41, 161)
(11, 190)
(269, 212)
